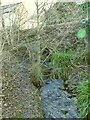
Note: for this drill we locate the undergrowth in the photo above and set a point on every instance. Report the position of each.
(83, 98)
(55, 62)
(62, 65)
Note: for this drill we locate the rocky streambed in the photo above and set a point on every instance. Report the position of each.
(56, 101)
(23, 100)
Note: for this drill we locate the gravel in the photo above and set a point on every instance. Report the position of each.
(56, 102)
(22, 98)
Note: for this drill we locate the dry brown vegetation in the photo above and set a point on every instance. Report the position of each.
(52, 50)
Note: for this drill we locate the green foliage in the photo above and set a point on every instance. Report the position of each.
(85, 7)
(62, 64)
(83, 96)
(19, 115)
(81, 33)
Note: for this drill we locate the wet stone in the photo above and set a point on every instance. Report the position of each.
(56, 102)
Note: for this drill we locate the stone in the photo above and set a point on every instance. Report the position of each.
(56, 102)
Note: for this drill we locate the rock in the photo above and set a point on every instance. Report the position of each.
(56, 102)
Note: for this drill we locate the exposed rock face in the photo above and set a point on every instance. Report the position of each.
(56, 102)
